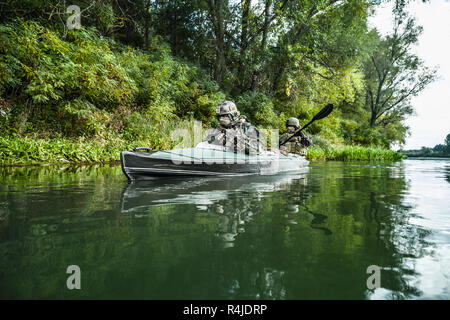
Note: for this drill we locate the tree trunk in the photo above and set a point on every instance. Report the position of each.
(266, 24)
(174, 27)
(220, 44)
(147, 24)
(278, 76)
(256, 79)
(373, 119)
(244, 43)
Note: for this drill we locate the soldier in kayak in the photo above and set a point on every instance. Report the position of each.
(235, 132)
(298, 144)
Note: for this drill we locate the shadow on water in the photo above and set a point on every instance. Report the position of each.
(318, 220)
(298, 236)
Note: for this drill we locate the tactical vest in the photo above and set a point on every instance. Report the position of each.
(295, 145)
(243, 137)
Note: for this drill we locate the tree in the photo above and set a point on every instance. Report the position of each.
(447, 144)
(393, 74)
(439, 148)
(425, 150)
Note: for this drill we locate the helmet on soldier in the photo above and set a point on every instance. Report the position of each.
(227, 113)
(293, 122)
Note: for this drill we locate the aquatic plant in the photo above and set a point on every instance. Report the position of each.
(349, 153)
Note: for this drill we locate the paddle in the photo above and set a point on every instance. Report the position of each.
(322, 114)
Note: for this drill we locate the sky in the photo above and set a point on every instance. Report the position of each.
(431, 124)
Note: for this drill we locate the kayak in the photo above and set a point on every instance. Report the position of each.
(204, 160)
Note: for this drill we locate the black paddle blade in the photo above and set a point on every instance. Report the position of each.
(324, 112)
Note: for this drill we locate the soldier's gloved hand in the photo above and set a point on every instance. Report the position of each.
(306, 141)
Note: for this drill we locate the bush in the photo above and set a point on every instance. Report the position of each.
(258, 108)
(73, 86)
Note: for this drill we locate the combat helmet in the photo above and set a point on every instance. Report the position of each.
(228, 108)
(293, 122)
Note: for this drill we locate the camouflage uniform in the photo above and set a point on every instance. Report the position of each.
(298, 145)
(241, 137)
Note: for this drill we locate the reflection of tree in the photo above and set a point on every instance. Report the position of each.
(370, 208)
(370, 226)
(299, 191)
(447, 173)
(249, 238)
(318, 220)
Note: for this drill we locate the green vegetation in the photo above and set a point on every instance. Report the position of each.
(80, 100)
(16, 149)
(126, 78)
(438, 151)
(348, 153)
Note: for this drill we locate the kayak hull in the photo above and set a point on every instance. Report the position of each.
(192, 162)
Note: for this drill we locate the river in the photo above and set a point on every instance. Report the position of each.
(309, 235)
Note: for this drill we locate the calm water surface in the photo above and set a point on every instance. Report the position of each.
(308, 235)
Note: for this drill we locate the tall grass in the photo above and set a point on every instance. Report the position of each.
(349, 153)
(17, 150)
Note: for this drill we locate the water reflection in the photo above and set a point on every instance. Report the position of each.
(309, 235)
(447, 173)
(235, 200)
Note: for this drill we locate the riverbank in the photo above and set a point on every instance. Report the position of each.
(17, 150)
(429, 156)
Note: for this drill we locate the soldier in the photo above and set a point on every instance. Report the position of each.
(298, 144)
(234, 131)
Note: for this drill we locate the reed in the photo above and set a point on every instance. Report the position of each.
(353, 153)
(23, 150)
(19, 150)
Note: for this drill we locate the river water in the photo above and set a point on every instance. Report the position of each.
(309, 235)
